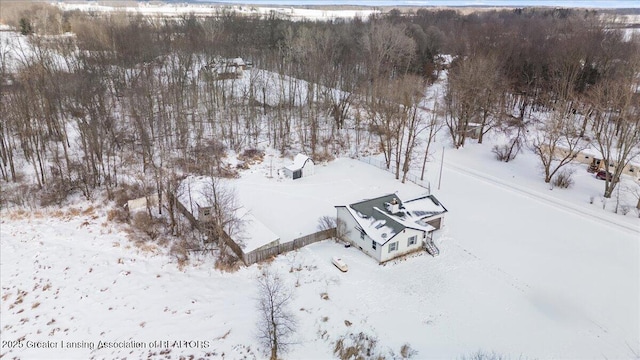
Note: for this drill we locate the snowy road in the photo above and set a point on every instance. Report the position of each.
(605, 218)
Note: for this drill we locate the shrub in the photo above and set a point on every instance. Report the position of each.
(563, 179)
(323, 156)
(126, 192)
(326, 222)
(18, 195)
(356, 346)
(481, 355)
(227, 172)
(504, 152)
(251, 156)
(118, 215)
(407, 352)
(147, 224)
(227, 261)
(180, 251)
(54, 193)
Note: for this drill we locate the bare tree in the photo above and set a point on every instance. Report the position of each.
(434, 125)
(473, 93)
(515, 129)
(276, 323)
(557, 142)
(388, 50)
(616, 127)
(412, 92)
(222, 218)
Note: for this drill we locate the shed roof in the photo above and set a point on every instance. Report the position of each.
(298, 162)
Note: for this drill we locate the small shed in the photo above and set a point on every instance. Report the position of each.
(142, 203)
(302, 166)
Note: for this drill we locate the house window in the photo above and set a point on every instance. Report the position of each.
(206, 211)
(412, 240)
(393, 246)
(373, 244)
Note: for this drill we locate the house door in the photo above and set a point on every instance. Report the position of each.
(297, 174)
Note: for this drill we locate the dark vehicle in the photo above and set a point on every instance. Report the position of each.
(602, 175)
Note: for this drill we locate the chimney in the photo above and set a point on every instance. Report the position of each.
(395, 206)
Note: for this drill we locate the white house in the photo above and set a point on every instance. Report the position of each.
(592, 157)
(302, 166)
(386, 227)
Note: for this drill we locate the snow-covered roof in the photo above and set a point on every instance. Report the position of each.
(237, 61)
(194, 193)
(423, 206)
(379, 230)
(254, 233)
(381, 221)
(594, 152)
(298, 162)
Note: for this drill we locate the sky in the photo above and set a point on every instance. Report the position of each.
(516, 3)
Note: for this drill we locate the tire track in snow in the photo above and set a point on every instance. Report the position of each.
(543, 198)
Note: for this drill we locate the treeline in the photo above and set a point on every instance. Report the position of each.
(129, 98)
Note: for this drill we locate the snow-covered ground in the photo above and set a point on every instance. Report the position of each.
(203, 9)
(292, 208)
(519, 273)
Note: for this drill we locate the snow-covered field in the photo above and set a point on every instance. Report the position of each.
(203, 9)
(292, 208)
(519, 273)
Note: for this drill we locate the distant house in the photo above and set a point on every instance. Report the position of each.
(142, 203)
(386, 227)
(227, 68)
(302, 166)
(592, 157)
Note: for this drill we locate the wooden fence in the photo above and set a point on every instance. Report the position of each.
(392, 169)
(263, 254)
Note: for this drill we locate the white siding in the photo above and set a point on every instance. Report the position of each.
(308, 168)
(403, 247)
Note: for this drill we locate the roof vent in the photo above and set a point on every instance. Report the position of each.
(384, 235)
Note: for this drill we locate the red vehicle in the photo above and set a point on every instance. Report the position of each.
(602, 175)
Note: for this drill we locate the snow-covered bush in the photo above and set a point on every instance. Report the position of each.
(142, 221)
(406, 352)
(563, 179)
(504, 152)
(356, 346)
(481, 355)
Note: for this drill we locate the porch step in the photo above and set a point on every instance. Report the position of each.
(431, 248)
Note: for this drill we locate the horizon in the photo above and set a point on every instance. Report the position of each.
(601, 4)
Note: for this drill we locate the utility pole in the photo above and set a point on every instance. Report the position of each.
(271, 166)
(441, 162)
